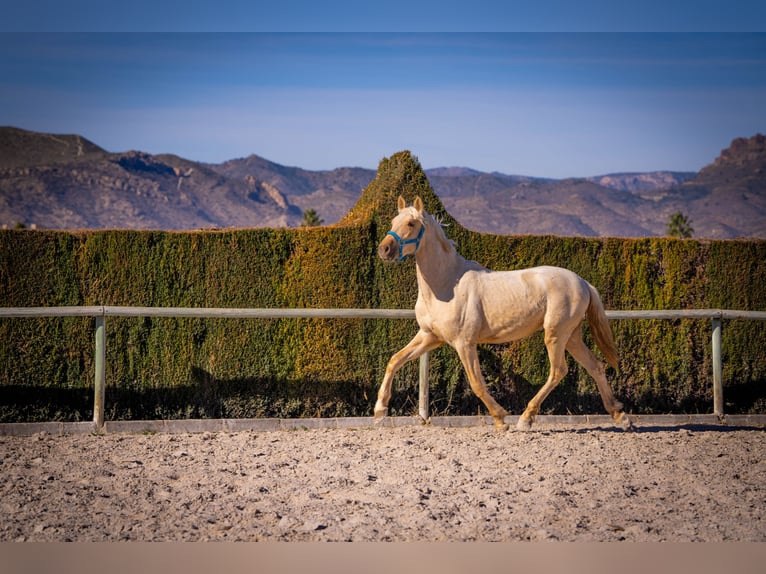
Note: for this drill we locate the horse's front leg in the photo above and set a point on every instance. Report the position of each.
(421, 343)
(470, 359)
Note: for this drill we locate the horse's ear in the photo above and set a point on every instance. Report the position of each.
(418, 204)
(401, 204)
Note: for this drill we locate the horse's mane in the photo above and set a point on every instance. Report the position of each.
(438, 227)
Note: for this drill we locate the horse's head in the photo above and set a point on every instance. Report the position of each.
(407, 230)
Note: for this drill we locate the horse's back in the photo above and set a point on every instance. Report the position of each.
(563, 289)
(535, 284)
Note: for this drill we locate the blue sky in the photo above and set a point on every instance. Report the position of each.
(385, 16)
(542, 104)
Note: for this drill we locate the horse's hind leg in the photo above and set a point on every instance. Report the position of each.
(595, 368)
(420, 343)
(555, 347)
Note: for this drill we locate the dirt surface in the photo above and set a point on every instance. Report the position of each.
(573, 483)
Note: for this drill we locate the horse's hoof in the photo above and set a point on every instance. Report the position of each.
(523, 424)
(380, 414)
(501, 425)
(624, 422)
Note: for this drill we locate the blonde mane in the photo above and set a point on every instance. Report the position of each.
(436, 224)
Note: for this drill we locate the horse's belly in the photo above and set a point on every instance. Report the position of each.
(510, 330)
(513, 333)
(474, 323)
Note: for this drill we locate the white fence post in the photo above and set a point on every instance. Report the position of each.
(100, 375)
(423, 398)
(717, 369)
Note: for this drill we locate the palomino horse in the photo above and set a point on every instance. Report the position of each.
(462, 303)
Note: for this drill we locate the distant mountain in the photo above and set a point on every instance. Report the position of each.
(642, 181)
(68, 182)
(452, 172)
(65, 182)
(560, 207)
(623, 205)
(21, 148)
(330, 193)
(726, 198)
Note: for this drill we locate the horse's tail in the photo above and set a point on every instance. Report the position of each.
(599, 325)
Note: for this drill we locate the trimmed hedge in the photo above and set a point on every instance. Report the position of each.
(176, 368)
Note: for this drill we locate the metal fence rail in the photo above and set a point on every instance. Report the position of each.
(101, 312)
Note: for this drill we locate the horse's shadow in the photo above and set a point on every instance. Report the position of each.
(660, 428)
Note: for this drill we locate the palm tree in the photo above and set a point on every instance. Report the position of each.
(311, 218)
(679, 226)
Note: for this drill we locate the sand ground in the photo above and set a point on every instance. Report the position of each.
(421, 483)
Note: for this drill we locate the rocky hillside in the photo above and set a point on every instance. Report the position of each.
(21, 148)
(726, 198)
(65, 182)
(642, 181)
(330, 193)
(68, 182)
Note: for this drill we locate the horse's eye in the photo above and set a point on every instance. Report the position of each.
(411, 224)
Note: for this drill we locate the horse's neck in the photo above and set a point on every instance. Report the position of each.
(438, 269)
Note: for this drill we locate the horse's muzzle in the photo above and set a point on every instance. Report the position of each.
(388, 250)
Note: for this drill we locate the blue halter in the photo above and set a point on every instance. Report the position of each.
(402, 242)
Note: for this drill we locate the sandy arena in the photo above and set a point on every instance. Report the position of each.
(417, 483)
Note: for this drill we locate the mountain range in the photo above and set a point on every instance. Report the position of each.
(51, 181)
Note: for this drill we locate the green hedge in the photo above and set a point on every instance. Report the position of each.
(176, 368)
